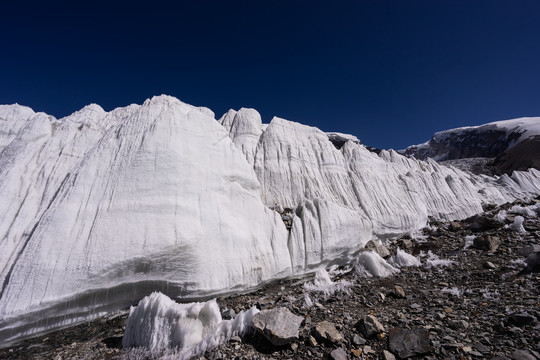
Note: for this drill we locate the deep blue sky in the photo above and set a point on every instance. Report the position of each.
(390, 72)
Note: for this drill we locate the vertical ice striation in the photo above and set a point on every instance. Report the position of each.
(101, 208)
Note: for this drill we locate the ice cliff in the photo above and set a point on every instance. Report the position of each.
(99, 209)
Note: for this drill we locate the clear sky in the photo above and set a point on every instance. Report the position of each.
(389, 72)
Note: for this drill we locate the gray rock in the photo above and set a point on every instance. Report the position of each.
(278, 325)
(379, 249)
(521, 319)
(489, 265)
(486, 242)
(406, 343)
(398, 292)
(483, 223)
(369, 326)
(358, 340)
(529, 249)
(387, 355)
(265, 302)
(533, 264)
(406, 243)
(338, 354)
(482, 348)
(227, 314)
(521, 355)
(455, 226)
(327, 331)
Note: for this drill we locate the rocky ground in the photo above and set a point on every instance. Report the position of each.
(482, 304)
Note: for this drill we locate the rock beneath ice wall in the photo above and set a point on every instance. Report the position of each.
(278, 325)
(378, 248)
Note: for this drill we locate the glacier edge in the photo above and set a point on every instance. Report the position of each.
(102, 208)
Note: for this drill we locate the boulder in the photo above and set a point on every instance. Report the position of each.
(533, 264)
(398, 292)
(486, 242)
(529, 250)
(278, 325)
(521, 320)
(387, 355)
(338, 354)
(378, 248)
(327, 331)
(483, 223)
(408, 342)
(369, 326)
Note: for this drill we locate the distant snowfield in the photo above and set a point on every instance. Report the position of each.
(492, 138)
(100, 209)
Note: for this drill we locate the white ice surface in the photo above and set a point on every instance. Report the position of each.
(323, 284)
(159, 324)
(517, 225)
(101, 208)
(404, 259)
(369, 264)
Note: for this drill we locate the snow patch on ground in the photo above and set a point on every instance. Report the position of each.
(501, 216)
(517, 225)
(469, 240)
(453, 291)
(490, 294)
(433, 261)
(370, 264)
(159, 325)
(529, 211)
(404, 259)
(323, 284)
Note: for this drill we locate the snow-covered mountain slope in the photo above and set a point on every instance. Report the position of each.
(99, 208)
(489, 140)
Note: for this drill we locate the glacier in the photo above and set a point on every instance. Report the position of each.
(100, 209)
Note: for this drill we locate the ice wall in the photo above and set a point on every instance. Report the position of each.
(101, 208)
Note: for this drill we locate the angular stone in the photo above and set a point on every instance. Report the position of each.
(483, 223)
(521, 319)
(529, 249)
(521, 355)
(227, 314)
(455, 226)
(356, 352)
(338, 354)
(358, 340)
(406, 243)
(327, 331)
(278, 325)
(482, 348)
(486, 242)
(369, 326)
(489, 265)
(533, 264)
(398, 292)
(379, 249)
(387, 355)
(406, 343)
